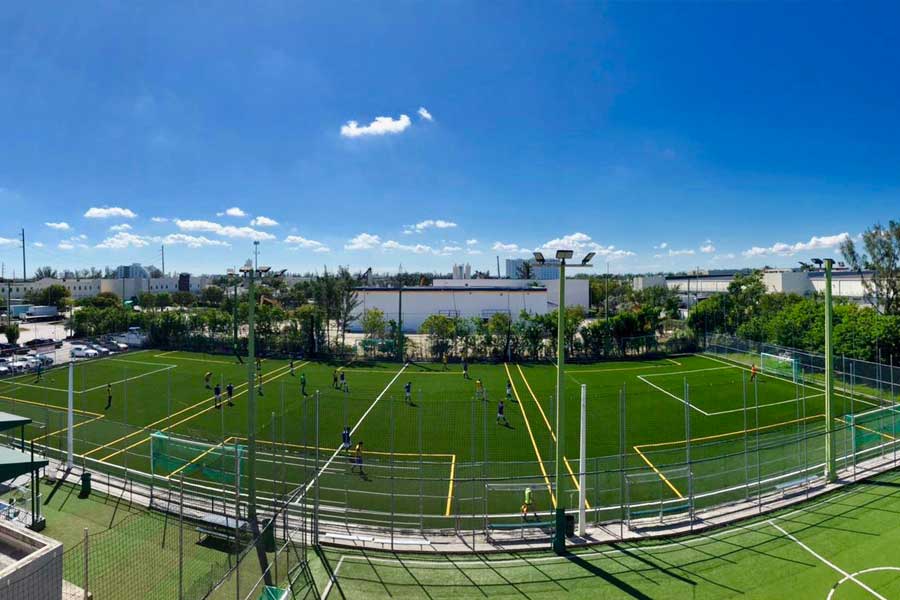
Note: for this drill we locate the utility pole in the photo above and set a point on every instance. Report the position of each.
(24, 270)
(829, 377)
(163, 252)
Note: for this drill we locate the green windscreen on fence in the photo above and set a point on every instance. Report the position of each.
(172, 457)
(875, 426)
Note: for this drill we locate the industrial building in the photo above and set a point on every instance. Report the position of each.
(122, 287)
(467, 298)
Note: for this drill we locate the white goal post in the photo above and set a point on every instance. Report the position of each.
(779, 364)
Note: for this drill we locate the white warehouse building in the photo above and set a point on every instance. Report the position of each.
(480, 298)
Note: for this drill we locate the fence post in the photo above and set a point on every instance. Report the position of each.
(70, 416)
(87, 585)
(181, 539)
(623, 423)
(582, 475)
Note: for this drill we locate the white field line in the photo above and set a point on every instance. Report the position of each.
(863, 572)
(333, 579)
(590, 555)
(668, 393)
(806, 383)
(103, 385)
(691, 371)
(828, 563)
(352, 431)
(674, 361)
(753, 407)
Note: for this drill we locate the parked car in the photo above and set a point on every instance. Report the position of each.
(99, 348)
(4, 370)
(43, 358)
(19, 365)
(79, 351)
(37, 342)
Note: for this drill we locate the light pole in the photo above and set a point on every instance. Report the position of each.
(830, 474)
(559, 537)
(251, 270)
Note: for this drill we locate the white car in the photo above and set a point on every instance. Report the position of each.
(19, 365)
(83, 352)
(4, 370)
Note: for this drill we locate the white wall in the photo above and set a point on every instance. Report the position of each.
(419, 303)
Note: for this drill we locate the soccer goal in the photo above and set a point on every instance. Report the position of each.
(523, 507)
(874, 428)
(171, 457)
(779, 365)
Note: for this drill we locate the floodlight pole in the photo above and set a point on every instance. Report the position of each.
(829, 378)
(559, 537)
(251, 398)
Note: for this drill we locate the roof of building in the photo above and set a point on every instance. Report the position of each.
(15, 462)
(455, 288)
(9, 421)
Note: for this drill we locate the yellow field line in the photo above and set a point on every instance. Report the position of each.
(864, 428)
(157, 422)
(531, 435)
(550, 429)
(197, 458)
(272, 377)
(731, 433)
(64, 429)
(53, 406)
(304, 447)
(658, 472)
(450, 490)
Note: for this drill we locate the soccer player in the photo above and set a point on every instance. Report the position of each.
(358, 462)
(229, 389)
(509, 390)
(444, 360)
(500, 413)
(303, 384)
(343, 380)
(40, 372)
(407, 391)
(108, 396)
(218, 393)
(206, 379)
(479, 389)
(465, 365)
(753, 372)
(334, 379)
(292, 366)
(345, 439)
(528, 503)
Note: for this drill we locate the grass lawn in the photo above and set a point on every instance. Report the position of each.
(446, 440)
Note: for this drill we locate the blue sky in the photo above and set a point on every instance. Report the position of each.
(662, 136)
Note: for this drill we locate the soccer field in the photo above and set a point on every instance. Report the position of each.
(442, 459)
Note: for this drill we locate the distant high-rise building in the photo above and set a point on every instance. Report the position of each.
(132, 271)
(515, 268)
(462, 271)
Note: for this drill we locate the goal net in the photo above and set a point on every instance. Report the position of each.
(505, 503)
(213, 463)
(779, 365)
(874, 427)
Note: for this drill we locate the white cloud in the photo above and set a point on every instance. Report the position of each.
(473, 252)
(8, 242)
(80, 236)
(509, 248)
(229, 231)
(61, 226)
(782, 249)
(159, 219)
(64, 245)
(380, 126)
(683, 252)
(415, 249)
(450, 249)
(471, 242)
(191, 241)
(707, 247)
(122, 227)
(234, 211)
(581, 242)
(38, 244)
(123, 240)
(109, 211)
(423, 112)
(364, 241)
(261, 221)
(661, 246)
(300, 242)
(433, 223)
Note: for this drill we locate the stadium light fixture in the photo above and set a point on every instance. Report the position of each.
(539, 258)
(588, 257)
(564, 254)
